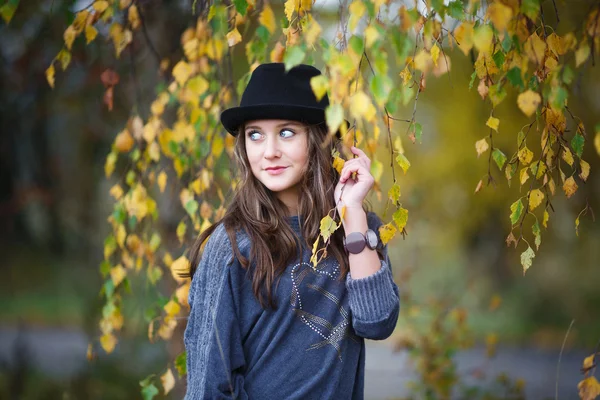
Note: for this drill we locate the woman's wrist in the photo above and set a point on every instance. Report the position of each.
(355, 220)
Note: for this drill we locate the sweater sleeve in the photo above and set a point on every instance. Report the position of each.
(374, 300)
(215, 357)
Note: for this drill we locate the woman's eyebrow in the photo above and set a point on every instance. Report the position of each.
(294, 124)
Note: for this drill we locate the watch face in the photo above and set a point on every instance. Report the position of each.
(371, 239)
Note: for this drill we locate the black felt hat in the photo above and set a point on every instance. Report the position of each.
(273, 93)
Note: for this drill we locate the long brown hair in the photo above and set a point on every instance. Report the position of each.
(257, 211)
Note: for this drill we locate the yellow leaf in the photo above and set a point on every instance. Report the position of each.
(108, 342)
(528, 101)
(523, 176)
(376, 169)
(556, 44)
(109, 166)
(121, 235)
(570, 187)
(234, 37)
(535, 48)
(178, 267)
(172, 308)
(338, 164)
(90, 33)
(387, 232)
(50, 75)
(371, 35)
(116, 191)
(482, 38)
(277, 54)
(435, 54)
(124, 141)
(401, 218)
(545, 219)
(117, 274)
(319, 86)
(585, 170)
(481, 146)
(100, 5)
(136, 202)
(357, 10)
(154, 151)
(500, 15)
(133, 16)
(218, 145)
(267, 19)
(313, 32)
(535, 198)
(589, 388)
(567, 156)
(162, 181)
(313, 257)
(406, 76)
(168, 381)
(167, 327)
(328, 226)
(181, 72)
(582, 53)
(597, 142)
(525, 155)
(588, 362)
(493, 123)
(64, 57)
(182, 294)
(69, 36)
(290, 7)
(464, 37)
(343, 213)
(361, 106)
(422, 60)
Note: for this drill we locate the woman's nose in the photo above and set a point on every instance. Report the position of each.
(272, 147)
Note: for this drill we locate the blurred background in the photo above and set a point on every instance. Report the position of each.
(453, 265)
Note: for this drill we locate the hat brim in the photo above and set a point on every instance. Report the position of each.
(234, 117)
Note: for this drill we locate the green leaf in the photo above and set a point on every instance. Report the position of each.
(527, 258)
(109, 288)
(357, 44)
(507, 43)
(241, 6)
(148, 392)
(180, 364)
(455, 10)
(191, 207)
(403, 162)
(558, 96)
(8, 10)
(497, 94)
(376, 169)
(418, 130)
(517, 210)
(104, 268)
(394, 193)
(334, 115)
(401, 218)
(473, 76)
(403, 44)
(293, 57)
(499, 157)
(381, 85)
(577, 144)
(509, 172)
(438, 5)
(328, 226)
(568, 74)
(499, 59)
(263, 34)
(531, 8)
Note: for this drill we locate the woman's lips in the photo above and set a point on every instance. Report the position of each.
(276, 171)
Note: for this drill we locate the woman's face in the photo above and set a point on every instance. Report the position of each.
(278, 154)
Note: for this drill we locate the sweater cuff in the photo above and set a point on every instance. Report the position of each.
(372, 298)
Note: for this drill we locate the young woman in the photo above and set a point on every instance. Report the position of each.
(265, 324)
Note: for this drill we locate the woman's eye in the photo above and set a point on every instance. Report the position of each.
(286, 133)
(254, 135)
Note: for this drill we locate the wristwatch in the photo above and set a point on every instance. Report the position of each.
(355, 242)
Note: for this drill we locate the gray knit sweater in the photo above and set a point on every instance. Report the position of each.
(310, 347)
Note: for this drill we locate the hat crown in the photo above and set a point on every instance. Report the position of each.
(274, 93)
(271, 84)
